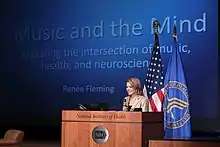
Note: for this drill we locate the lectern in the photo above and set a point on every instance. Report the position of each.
(110, 128)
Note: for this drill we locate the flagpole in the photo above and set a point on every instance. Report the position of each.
(175, 38)
(156, 24)
(174, 33)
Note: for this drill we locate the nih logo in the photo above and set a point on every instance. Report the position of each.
(100, 135)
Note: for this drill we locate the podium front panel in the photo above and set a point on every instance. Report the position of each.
(109, 128)
(80, 134)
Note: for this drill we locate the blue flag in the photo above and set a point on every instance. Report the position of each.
(176, 104)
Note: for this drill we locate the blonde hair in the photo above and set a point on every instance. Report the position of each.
(136, 84)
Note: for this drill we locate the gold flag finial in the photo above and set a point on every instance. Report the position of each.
(174, 33)
(156, 24)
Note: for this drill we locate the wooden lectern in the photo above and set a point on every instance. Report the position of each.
(110, 128)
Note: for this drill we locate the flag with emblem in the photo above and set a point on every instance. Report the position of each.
(176, 99)
(153, 86)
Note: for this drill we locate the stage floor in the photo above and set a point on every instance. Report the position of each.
(204, 142)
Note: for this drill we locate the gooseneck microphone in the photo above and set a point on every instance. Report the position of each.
(81, 107)
(124, 103)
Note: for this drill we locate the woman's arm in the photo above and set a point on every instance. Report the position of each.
(145, 105)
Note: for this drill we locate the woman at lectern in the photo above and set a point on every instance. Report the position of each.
(135, 101)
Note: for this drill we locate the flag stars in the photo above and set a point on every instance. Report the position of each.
(154, 72)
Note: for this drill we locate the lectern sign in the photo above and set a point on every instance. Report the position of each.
(100, 135)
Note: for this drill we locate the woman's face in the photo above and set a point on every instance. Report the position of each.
(130, 90)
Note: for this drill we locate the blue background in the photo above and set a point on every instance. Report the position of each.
(32, 92)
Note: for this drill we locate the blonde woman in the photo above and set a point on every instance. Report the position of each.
(135, 101)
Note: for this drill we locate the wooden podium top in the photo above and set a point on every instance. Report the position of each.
(111, 116)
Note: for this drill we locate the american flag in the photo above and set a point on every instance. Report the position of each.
(154, 86)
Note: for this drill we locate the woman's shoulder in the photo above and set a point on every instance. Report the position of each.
(126, 97)
(143, 98)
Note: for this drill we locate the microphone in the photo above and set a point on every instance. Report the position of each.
(124, 103)
(81, 107)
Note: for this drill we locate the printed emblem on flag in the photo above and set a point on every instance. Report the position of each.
(176, 99)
